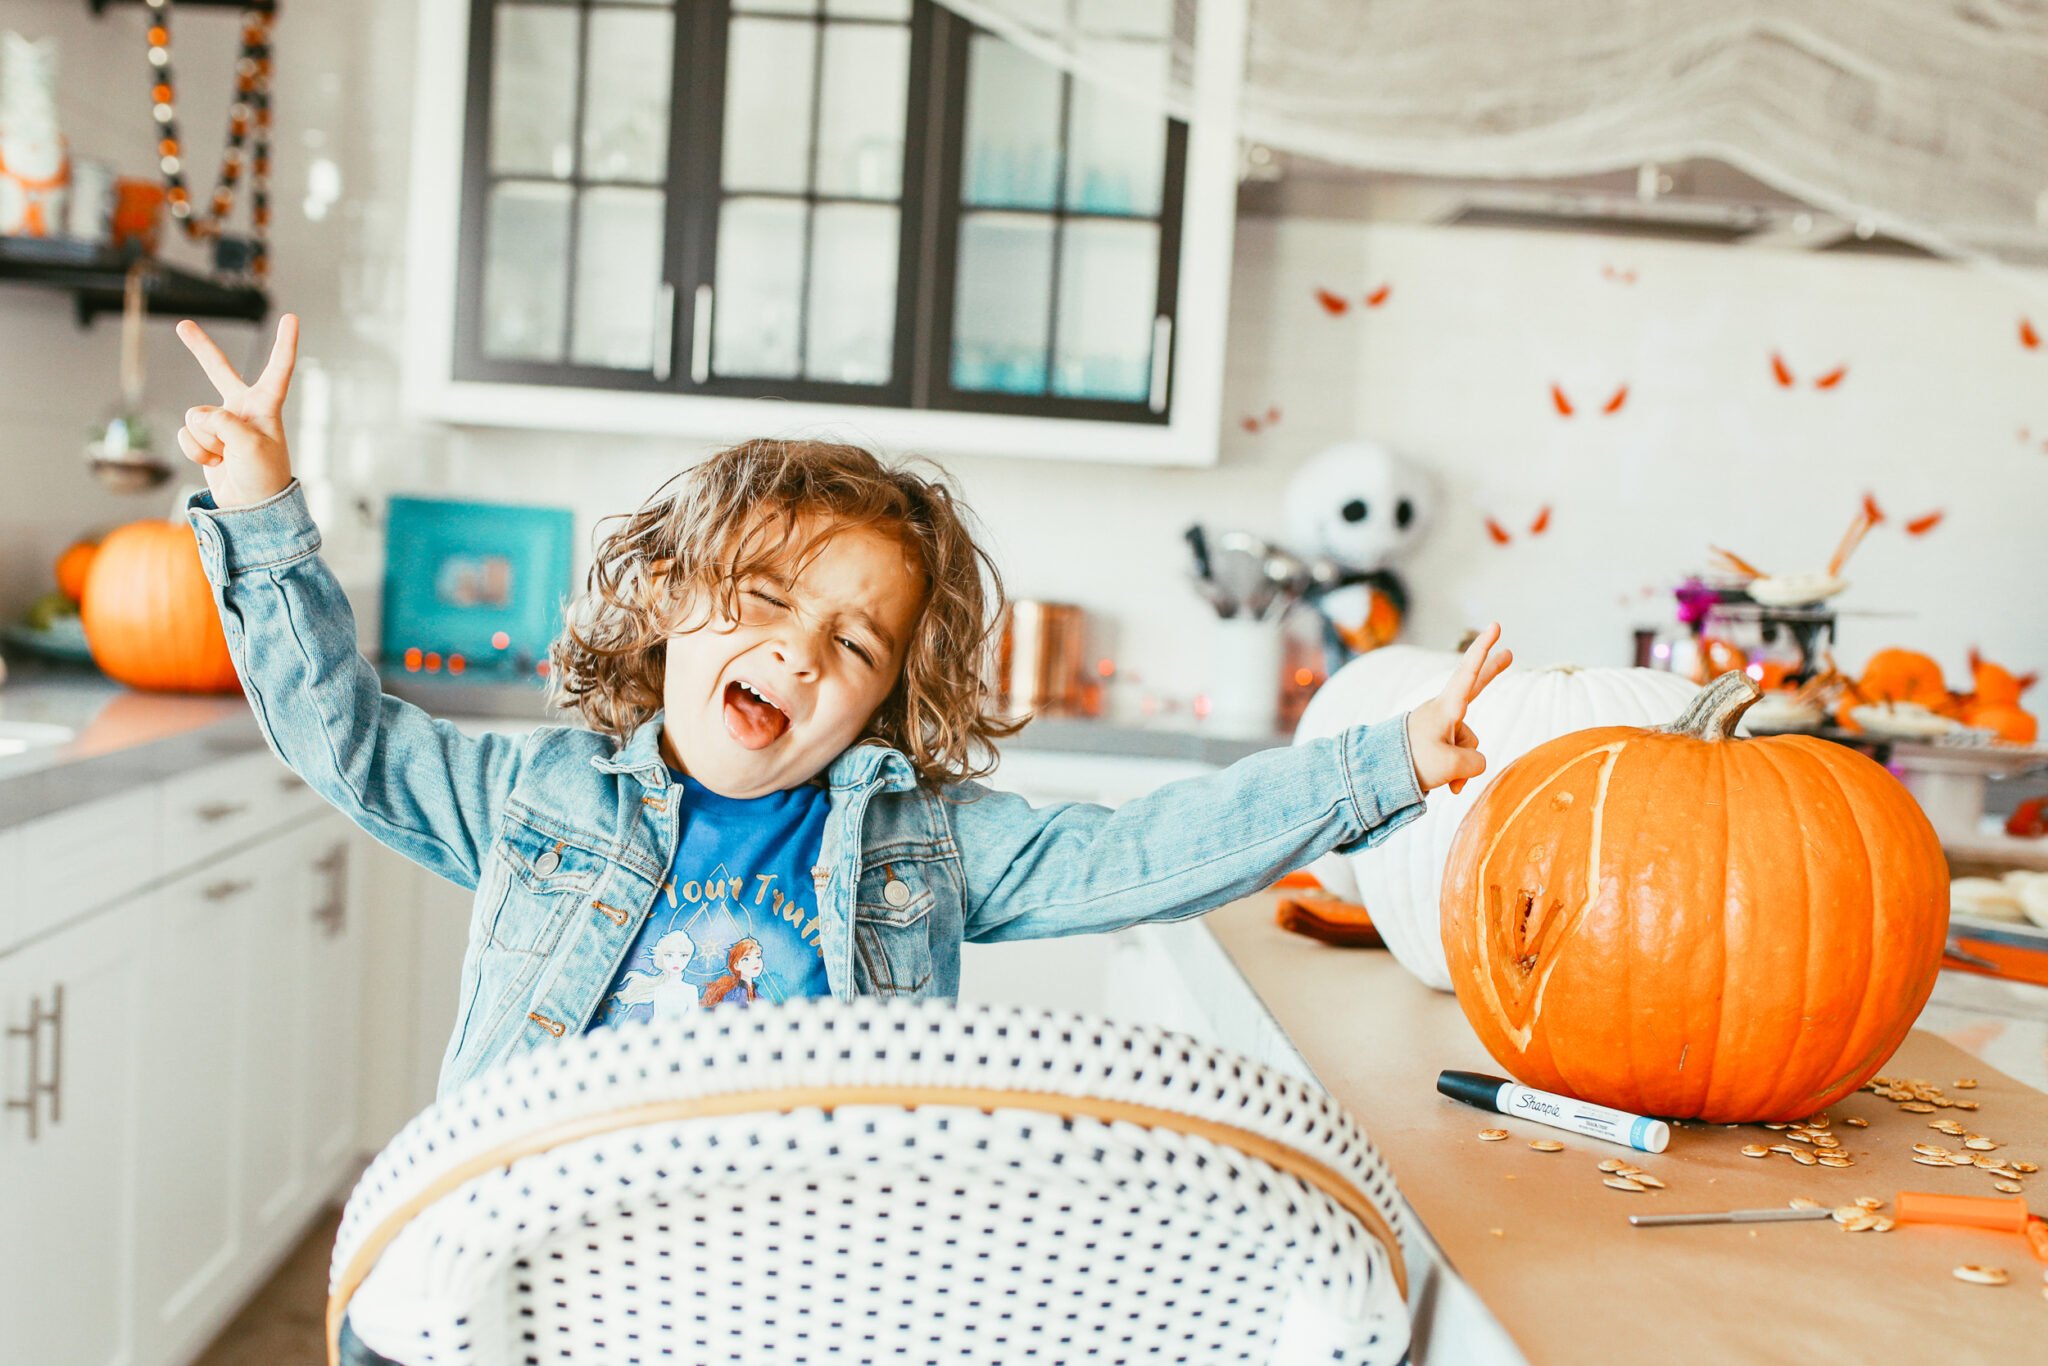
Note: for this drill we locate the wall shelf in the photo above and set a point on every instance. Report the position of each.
(268, 6)
(94, 276)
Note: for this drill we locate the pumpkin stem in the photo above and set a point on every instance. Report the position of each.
(1713, 713)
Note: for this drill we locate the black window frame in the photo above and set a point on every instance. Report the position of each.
(930, 210)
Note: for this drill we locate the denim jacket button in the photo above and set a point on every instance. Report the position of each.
(547, 863)
(897, 893)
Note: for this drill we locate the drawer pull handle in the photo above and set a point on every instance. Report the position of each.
(222, 891)
(38, 1085)
(213, 812)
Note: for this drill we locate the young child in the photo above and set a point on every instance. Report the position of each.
(777, 661)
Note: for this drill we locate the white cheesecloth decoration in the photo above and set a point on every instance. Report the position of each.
(1925, 119)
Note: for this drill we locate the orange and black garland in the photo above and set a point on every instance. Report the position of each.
(249, 109)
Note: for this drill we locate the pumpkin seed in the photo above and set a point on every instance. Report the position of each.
(1857, 1122)
(1966, 1083)
(1799, 1135)
(1918, 1107)
(1755, 1150)
(1819, 1122)
(1645, 1179)
(1826, 1141)
(1622, 1183)
(1982, 1275)
(1546, 1145)
(1844, 1213)
(1803, 1157)
(1930, 1150)
(1869, 1202)
(1777, 1126)
(1612, 1164)
(1785, 1148)
(1931, 1161)
(1966, 1105)
(2027, 1167)
(2009, 1187)
(1492, 1135)
(1948, 1126)
(1862, 1223)
(1979, 1143)
(1883, 1225)
(1835, 1160)
(1805, 1202)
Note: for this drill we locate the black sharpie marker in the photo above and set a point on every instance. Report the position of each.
(1560, 1112)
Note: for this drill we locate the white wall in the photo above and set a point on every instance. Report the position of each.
(1454, 369)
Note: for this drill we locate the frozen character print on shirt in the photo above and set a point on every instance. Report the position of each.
(743, 963)
(665, 993)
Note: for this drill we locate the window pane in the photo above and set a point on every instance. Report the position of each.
(628, 77)
(758, 316)
(1109, 292)
(533, 91)
(1116, 146)
(618, 276)
(1002, 303)
(860, 125)
(526, 271)
(853, 294)
(768, 105)
(868, 9)
(1013, 127)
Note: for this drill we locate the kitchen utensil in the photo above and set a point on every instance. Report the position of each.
(1998, 1214)
(1962, 955)
(1198, 542)
(122, 455)
(1212, 593)
(1290, 579)
(1039, 660)
(1238, 561)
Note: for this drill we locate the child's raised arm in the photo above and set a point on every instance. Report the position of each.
(417, 784)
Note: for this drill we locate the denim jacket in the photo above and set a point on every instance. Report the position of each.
(566, 838)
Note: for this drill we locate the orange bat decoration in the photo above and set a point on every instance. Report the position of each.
(1563, 404)
(1542, 522)
(1378, 296)
(1614, 404)
(1781, 370)
(2029, 338)
(1920, 526)
(1333, 304)
(1498, 532)
(1832, 378)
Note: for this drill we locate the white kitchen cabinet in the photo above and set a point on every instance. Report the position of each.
(195, 1093)
(72, 1005)
(904, 230)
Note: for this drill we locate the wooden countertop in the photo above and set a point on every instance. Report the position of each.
(1548, 1248)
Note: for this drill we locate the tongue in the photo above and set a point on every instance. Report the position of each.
(751, 721)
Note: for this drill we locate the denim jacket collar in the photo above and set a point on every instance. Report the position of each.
(857, 767)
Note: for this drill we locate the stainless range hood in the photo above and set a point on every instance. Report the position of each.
(1695, 201)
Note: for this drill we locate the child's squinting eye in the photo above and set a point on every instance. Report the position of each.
(862, 654)
(768, 598)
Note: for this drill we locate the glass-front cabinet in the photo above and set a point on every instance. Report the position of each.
(871, 210)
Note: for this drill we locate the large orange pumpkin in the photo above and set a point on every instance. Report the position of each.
(1677, 922)
(149, 614)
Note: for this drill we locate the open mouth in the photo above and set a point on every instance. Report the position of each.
(750, 718)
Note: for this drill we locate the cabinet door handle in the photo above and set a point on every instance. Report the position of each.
(221, 891)
(700, 335)
(290, 782)
(333, 913)
(219, 811)
(38, 1086)
(664, 331)
(1162, 361)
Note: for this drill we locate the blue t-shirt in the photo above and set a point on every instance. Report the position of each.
(737, 921)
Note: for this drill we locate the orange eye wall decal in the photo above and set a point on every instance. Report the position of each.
(2029, 338)
(1782, 372)
(1500, 535)
(1562, 401)
(1256, 422)
(1920, 526)
(1378, 296)
(1336, 305)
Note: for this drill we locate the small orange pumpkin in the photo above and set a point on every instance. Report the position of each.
(1678, 922)
(72, 566)
(149, 613)
(1904, 676)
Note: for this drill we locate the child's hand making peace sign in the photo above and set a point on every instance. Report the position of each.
(240, 442)
(1444, 748)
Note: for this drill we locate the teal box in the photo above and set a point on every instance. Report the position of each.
(473, 587)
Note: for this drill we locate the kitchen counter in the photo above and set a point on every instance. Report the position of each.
(1547, 1248)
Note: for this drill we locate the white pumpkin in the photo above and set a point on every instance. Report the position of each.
(1399, 880)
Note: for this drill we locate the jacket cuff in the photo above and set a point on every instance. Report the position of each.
(1379, 772)
(260, 536)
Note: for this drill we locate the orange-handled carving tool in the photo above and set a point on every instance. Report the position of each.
(1909, 1207)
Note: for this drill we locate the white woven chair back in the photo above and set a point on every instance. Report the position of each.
(877, 1182)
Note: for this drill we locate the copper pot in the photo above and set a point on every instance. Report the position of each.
(1039, 665)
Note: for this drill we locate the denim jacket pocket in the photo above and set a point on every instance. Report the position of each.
(892, 926)
(549, 879)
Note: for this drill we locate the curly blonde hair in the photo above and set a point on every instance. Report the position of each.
(760, 506)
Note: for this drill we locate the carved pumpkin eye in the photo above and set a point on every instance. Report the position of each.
(1404, 513)
(1354, 511)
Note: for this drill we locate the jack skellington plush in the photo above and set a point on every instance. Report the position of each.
(1353, 509)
